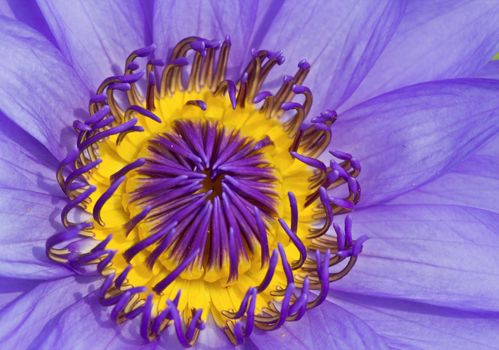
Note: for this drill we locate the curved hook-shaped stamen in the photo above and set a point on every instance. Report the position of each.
(104, 198)
(75, 202)
(270, 271)
(298, 244)
(315, 233)
(109, 132)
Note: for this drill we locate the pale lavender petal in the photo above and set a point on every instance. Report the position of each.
(406, 325)
(342, 40)
(436, 254)
(87, 324)
(28, 12)
(473, 183)
(407, 137)
(435, 40)
(13, 288)
(490, 71)
(173, 21)
(24, 321)
(5, 9)
(39, 91)
(96, 36)
(30, 201)
(28, 219)
(327, 326)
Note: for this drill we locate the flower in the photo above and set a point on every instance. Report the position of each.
(426, 276)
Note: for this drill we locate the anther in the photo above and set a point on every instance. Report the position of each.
(99, 115)
(199, 103)
(145, 51)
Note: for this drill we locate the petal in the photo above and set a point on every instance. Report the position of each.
(28, 219)
(474, 183)
(342, 41)
(327, 326)
(490, 70)
(96, 36)
(25, 164)
(38, 90)
(24, 320)
(27, 12)
(87, 323)
(406, 325)
(436, 254)
(29, 202)
(174, 21)
(407, 137)
(435, 40)
(12, 288)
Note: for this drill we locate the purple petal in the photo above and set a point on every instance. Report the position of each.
(327, 326)
(28, 219)
(407, 137)
(87, 323)
(12, 288)
(436, 254)
(38, 91)
(489, 71)
(406, 325)
(29, 198)
(473, 183)
(28, 12)
(96, 36)
(173, 21)
(435, 40)
(25, 164)
(341, 40)
(25, 320)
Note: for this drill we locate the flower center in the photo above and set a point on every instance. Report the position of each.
(202, 181)
(212, 184)
(194, 195)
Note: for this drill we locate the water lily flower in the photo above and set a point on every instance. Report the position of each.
(178, 174)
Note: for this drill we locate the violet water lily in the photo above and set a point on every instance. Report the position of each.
(181, 174)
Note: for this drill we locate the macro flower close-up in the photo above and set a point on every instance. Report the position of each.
(249, 174)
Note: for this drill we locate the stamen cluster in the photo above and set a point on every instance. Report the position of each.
(201, 189)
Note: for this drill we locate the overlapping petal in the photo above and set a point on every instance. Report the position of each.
(435, 40)
(406, 325)
(436, 254)
(13, 288)
(27, 12)
(407, 137)
(469, 183)
(342, 40)
(328, 326)
(96, 36)
(490, 70)
(208, 19)
(30, 201)
(87, 323)
(38, 86)
(24, 322)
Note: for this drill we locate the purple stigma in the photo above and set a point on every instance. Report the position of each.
(206, 179)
